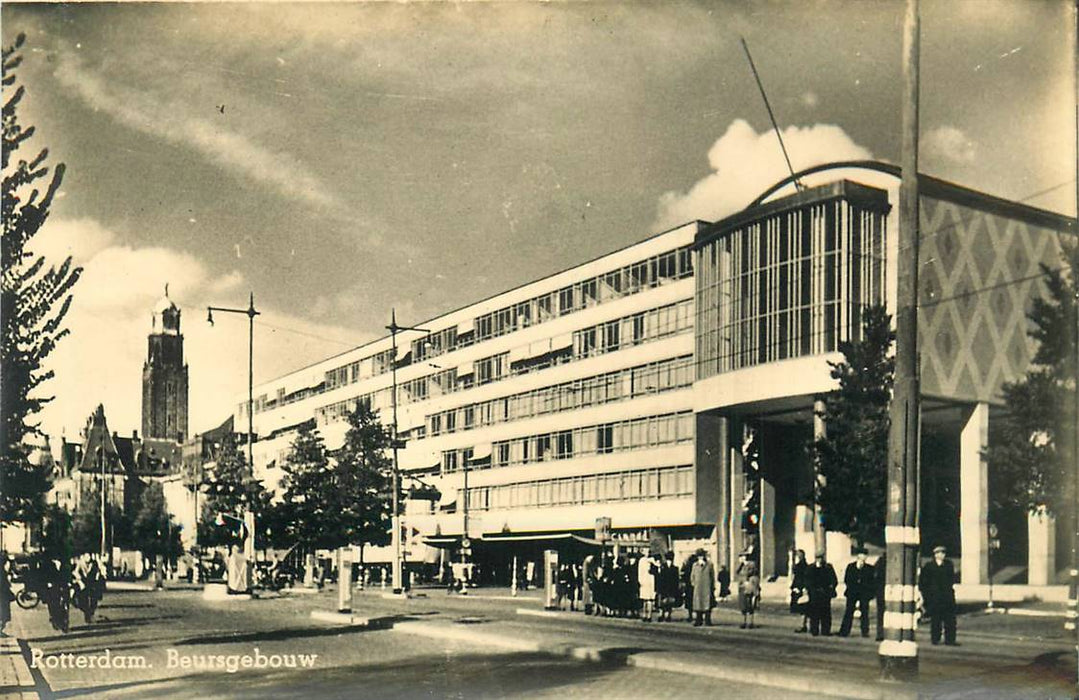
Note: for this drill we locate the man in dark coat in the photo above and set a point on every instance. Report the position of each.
(936, 584)
(860, 584)
(820, 584)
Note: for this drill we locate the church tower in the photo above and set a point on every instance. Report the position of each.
(164, 376)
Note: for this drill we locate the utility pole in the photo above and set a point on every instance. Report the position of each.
(104, 538)
(1073, 603)
(899, 652)
(251, 313)
(394, 329)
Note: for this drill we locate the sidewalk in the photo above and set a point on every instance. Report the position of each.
(16, 681)
(1035, 659)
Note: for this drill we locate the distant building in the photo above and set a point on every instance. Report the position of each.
(164, 376)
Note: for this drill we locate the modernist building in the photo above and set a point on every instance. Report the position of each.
(634, 386)
(164, 376)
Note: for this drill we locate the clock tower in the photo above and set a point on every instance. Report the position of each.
(164, 376)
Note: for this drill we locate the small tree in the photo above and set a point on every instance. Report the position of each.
(1031, 448)
(152, 529)
(853, 457)
(365, 473)
(310, 492)
(34, 298)
(231, 490)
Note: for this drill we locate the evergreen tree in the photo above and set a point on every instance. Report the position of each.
(365, 473)
(1031, 448)
(853, 457)
(34, 298)
(152, 529)
(310, 501)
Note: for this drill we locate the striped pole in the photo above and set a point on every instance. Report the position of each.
(899, 652)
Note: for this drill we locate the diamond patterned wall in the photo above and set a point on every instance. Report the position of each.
(980, 271)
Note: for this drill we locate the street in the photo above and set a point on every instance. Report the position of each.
(174, 644)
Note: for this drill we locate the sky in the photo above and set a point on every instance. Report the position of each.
(340, 160)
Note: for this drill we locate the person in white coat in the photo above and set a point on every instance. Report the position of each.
(646, 581)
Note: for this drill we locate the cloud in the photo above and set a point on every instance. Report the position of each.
(172, 121)
(101, 360)
(744, 163)
(949, 144)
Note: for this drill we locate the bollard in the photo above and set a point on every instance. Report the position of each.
(344, 580)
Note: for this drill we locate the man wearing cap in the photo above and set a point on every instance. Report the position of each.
(859, 590)
(936, 584)
(820, 584)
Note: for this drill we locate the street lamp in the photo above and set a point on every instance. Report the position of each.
(394, 329)
(251, 313)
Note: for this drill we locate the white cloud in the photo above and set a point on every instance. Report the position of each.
(101, 360)
(949, 144)
(173, 121)
(745, 163)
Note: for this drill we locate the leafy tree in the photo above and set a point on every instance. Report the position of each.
(344, 500)
(309, 504)
(365, 474)
(152, 529)
(1031, 449)
(853, 457)
(231, 491)
(34, 298)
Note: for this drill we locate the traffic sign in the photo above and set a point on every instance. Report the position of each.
(466, 543)
(993, 531)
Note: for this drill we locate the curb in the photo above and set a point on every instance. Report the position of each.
(16, 680)
(340, 618)
(661, 661)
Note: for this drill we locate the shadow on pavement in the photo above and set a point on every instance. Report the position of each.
(456, 676)
(289, 633)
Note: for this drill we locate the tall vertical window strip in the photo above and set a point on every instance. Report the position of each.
(790, 284)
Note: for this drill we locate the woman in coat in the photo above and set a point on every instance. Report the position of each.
(799, 595)
(703, 579)
(646, 586)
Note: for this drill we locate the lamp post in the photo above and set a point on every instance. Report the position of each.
(251, 313)
(394, 329)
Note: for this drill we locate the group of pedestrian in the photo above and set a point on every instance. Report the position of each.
(629, 586)
(813, 586)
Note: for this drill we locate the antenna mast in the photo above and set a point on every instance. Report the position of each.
(771, 116)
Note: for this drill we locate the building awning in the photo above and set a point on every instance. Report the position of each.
(554, 539)
(466, 368)
(466, 326)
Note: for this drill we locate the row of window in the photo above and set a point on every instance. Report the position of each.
(657, 270)
(646, 274)
(641, 327)
(631, 485)
(655, 377)
(621, 436)
(634, 329)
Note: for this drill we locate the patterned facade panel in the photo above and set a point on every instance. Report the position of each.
(980, 271)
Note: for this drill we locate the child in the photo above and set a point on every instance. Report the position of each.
(749, 591)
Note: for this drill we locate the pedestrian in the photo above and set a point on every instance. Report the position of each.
(799, 595)
(821, 584)
(702, 577)
(687, 585)
(6, 572)
(577, 586)
(57, 576)
(860, 586)
(749, 591)
(588, 581)
(564, 585)
(936, 584)
(667, 593)
(881, 581)
(646, 586)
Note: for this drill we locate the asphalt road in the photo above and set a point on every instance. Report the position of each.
(153, 632)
